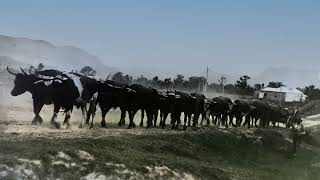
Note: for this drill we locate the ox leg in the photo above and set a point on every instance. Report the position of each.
(36, 109)
(251, 121)
(231, 120)
(262, 123)
(247, 121)
(173, 120)
(225, 120)
(239, 120)
(176, 121)
(92, 118)
(131, 117)
(221, 121)
(88, 115)
(203, 116)
(161, 118)
(104, 113)
(255, 122)
(218, 120)
(83, 114)
(185, 121)
(208, 118)
(122, 121)
(54, 116)
(92, 112)
(142, 117)
(155, 118)
(215, 119)
(194, 120)
(149, 119)
(163, 125)
(201, 122)
(67, 119)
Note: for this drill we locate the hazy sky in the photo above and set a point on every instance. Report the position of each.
(184, 35)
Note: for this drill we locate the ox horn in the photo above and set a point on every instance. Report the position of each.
(9, 71)
(78, 74)
(46, 78)
(108, 76)
(23, 71)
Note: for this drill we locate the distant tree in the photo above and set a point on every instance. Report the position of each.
(155, 79)
(155, 82)
(128, 79)
(243, 82)
(300, 89)
(214, 87)
(88, 71)
(243, 85)
(119, 77)
(258, 87)
(230, 88)
(167, 83)
(195, 83)
(222, 82)
(312, 92)
(178, 81)
(142, 81)
(277, 84)
(40, 67)
(32, 69)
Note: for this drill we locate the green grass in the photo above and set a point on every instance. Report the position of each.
(206, 154)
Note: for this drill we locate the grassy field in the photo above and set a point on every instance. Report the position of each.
(41, 152)
(201, 153)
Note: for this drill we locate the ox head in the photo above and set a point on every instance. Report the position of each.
(22, 83)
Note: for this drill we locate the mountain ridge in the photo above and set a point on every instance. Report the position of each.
(67, 58)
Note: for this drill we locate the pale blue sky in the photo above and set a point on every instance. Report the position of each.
(240, 36)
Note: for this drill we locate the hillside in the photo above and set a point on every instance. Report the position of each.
(28, 51)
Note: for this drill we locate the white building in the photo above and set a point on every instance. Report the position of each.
(282, 94)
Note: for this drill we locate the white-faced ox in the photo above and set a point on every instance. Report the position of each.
(58, 90)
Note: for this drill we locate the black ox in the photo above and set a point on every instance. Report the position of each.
(58, 89)
(129, 99)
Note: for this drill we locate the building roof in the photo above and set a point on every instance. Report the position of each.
(282, 90)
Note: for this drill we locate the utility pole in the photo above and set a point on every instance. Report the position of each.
(280, 95)
(206, 81)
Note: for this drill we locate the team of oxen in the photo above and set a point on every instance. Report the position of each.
(58, 88)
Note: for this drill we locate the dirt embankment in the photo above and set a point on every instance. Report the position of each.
(40, 152)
